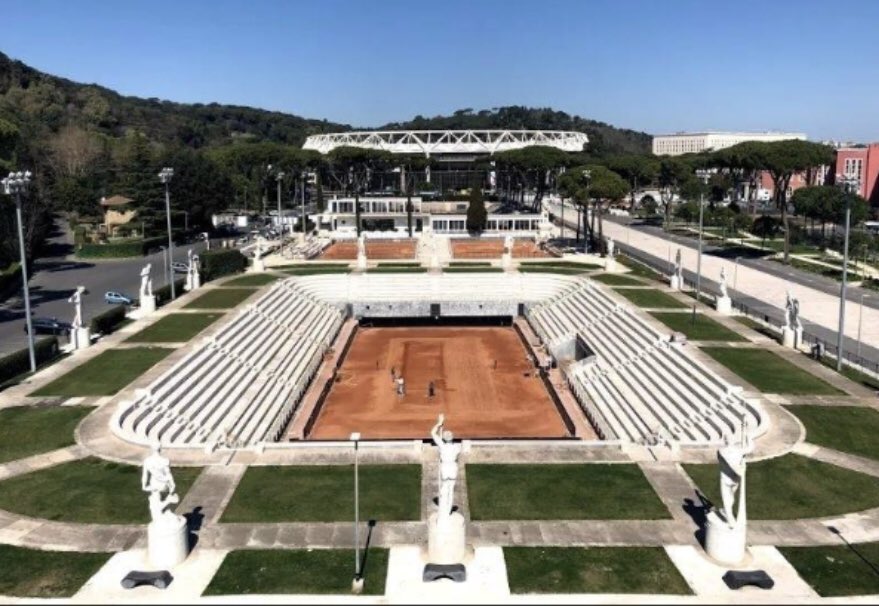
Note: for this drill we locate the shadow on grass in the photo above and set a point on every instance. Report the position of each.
(365, 557)
(854, 550)
(698, 512)
(194, 522)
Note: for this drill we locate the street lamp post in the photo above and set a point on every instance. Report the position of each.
(703, 176)
(587, 176)
(357, 582)
(279, 177)
(15, 185)
(850, 184)
(735, 279)
(165, 176)
(304, 177)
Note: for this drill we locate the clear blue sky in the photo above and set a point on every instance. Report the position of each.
(653, 65)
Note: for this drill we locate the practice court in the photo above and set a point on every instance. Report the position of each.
(484, 383)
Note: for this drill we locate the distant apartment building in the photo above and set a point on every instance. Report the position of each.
(861, 163)
(690, 143)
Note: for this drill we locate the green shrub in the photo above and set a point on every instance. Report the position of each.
(108, 321)
(18, 362)
(125, 248)
(163, 295)
(218, 263)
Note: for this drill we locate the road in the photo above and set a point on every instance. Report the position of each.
(57, 276)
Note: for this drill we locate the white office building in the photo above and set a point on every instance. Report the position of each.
(689, 143)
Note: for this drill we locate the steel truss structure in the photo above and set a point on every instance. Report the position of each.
(440, 142)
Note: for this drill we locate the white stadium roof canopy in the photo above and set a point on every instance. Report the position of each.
(439, 142)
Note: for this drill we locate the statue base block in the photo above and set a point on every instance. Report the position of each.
(506, 261)
(791, 338)
(724, 305)
(196, 281)
(147, 305)
(675, 283)
(610, 264)
(722, 543)
(446, 539)
(80, 338)
(259, 265)
(361, 263)
(167, 542)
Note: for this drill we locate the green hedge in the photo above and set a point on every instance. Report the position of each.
(19, 362)
(163, 295)
(218, 263)
(108, 321)
(10, 280)
(115, 250)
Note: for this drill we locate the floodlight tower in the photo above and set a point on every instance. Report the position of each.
(851, 184)
(15, 185)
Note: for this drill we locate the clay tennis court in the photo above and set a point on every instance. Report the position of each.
(375, 249)
(493, 248)
(479, 400)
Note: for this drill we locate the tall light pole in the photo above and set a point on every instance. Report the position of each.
(703, 175)
(587, 176)
(850, 184)
(735, 279)
(165, 176)
(15, 185)
(357, 582)
(279, 177)
(304, 177)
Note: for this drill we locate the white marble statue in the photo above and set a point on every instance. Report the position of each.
(76, 299)
(723, 290)
(508, 244)
(257, 252)
(156, 479)
(146, 282)
(679, 267)
(361, 246)
(726, 526)
(611, 247)
(448, 469)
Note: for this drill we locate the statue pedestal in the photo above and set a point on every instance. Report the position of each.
(675, 283)
(506, 260)
(196, 280)
(791, 337)
(722, 543)
(147, 305)
(167, 542)
(610, 264)
(446, 539)
(361, 262)
(724, 305)
(259, 265)
(80, 338)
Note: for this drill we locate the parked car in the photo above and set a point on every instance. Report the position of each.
(117, 298)
(179, 268)
(49, 326)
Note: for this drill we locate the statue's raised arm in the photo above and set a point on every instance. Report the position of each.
(437, 432)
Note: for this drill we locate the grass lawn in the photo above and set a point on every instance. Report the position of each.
(847, 428)
(757, 326)
(639, 269)
(794, 486)
(703, 329)
(30, 430)
(553, 269)
(651, 298)
(311, 271)
(592, 570)
(769, 372)
(251, 280)
(221, 298)
(561, 492)
(87, 491)
(473, 270)
(837, 570)
(325, 493)
(560, 263)
(298, 571)
(175, 328)
(618, 280)
(106, 373)
(34, 573)
(396, 269)
(853, 374)
(469, 263)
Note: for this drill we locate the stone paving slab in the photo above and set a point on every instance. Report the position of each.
(212, 491)
(580, 533)
(42, 461)
(838, 458)
(673, 486)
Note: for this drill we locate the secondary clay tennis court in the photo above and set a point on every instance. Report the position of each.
(493, 248)
(375, 249)
(484, 384)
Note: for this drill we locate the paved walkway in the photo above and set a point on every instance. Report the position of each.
(818, 307)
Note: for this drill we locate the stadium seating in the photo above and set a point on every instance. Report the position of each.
(638, 387)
